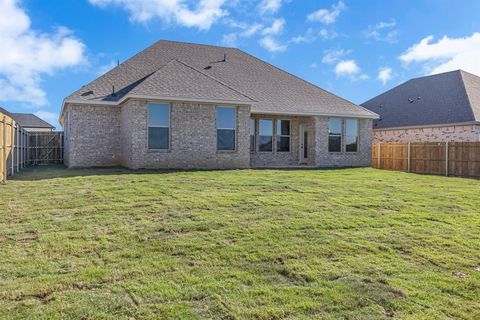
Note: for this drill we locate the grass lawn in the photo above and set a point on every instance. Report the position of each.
(246, 244)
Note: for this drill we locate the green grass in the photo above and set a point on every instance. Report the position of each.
(246, 244)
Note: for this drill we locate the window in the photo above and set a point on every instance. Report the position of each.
(265, 135)
(283, 135)
(252, 135)
(335, 129)
(158, 126)
(226, 127)
(351, 135)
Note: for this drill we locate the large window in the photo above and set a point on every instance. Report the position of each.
(158, 126)
(252, 135)
(335, 130)
(226, 127)
(283, 135)
(265, 135)
(351, 135)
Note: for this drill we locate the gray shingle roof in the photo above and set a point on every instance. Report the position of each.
(451, 97)
(29, 120)
(273, 90)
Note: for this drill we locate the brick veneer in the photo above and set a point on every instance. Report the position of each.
(458, 133)
(117, 135)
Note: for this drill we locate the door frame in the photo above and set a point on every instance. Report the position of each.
(301, 144)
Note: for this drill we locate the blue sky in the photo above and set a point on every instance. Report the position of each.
(355, 49)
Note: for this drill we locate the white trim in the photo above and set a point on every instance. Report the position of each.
(289, 136)
(215, 101)
(337, 115)
(157, 126)
(455, 124)
(273, 135)
(234, 129)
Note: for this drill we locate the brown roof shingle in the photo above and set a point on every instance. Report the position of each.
(272, 89)
(450, 97)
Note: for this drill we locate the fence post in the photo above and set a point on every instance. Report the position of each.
(4, 173)
(379, 155)
(446, 159)
(12, 146)
(409, 156)
(17, 149)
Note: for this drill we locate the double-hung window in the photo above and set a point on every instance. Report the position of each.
(158, 126)
(335, 130)
(226, 128)
(252, 135)
(265, 135)
(351, 135)
(283, 135)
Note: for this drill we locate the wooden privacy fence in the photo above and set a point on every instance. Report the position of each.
(13, 147)
(19, 148)
(461, 159)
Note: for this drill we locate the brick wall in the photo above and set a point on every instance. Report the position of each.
(279, 159)
(93, 136)
(117, 135)
(461, 133)
(362, 158)
(193, 137)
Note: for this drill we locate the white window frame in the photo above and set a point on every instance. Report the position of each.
(273, 135)
(358, 135)
(279, 135)
(254, 120)
(342, 132)
(157, 126)
(234, 128)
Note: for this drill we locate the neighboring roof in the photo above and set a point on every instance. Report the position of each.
(230, 72)
(451, 97)
(29, 120)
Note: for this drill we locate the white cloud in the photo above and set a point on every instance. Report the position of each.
(106, 67)
(272, 44)
(350, 69)
(27, 54)
(446, 54)
(270, 6)
(327, 16)
(50, 117)
(268, 41)
(382, 31)
(385, 74)
(202, 16)
(276, 28)
(229, 39)
(327, 35)
(347, 67)
(333, 56)
(308, 37)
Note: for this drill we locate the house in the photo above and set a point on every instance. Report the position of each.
(184, 105)
(437, 108)
(29, 122)
(32, 123)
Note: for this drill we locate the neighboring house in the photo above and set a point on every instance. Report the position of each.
(436, 108)
(183, 105)
(32, 123)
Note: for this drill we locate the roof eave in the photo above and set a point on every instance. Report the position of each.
(153, 98)
(322, 114)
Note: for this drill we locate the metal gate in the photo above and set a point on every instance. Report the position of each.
(46, 147)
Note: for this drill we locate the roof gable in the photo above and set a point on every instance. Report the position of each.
(273, 90)
(431, 100)
(179, 80)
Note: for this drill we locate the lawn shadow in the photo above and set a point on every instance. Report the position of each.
(56, 171)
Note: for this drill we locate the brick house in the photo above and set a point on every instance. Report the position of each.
(183, 105)
(437, 108)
